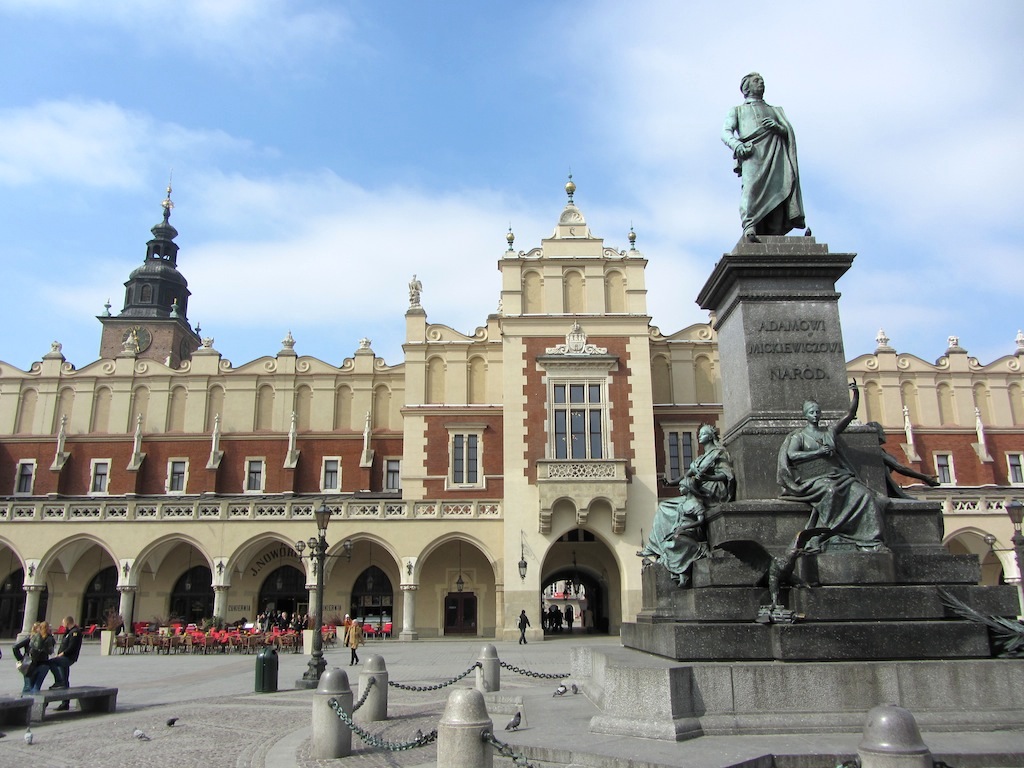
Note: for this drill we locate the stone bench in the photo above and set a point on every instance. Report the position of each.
(91, 698)
(15, 711)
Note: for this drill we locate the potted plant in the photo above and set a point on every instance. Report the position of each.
(113, 623)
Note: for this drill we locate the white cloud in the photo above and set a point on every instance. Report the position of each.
(95, 144)
(248, 33)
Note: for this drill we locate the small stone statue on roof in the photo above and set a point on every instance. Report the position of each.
(764, 146)
(415, 288)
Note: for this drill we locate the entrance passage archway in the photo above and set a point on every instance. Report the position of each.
(192, 596)
(101, 597)
(580, 571)
(284, 589)
(373, 598)
(12, 603)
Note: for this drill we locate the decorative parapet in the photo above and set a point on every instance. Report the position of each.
(582, 483)
(178, 508)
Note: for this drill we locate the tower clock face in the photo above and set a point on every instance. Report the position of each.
(139, 335)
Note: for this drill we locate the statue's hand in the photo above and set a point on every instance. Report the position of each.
(772, 125)
(744, 150)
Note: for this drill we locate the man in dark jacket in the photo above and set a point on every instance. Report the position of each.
(67, 654)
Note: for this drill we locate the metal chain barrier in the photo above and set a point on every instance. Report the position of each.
(505, 750)
(437, 687)
(421, 740)
(528, 673)
(362, 699)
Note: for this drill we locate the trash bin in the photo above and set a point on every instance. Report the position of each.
(266, 670)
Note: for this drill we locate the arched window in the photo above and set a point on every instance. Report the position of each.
(944, 394)
(192, 596)
(382, 407)
(265, 407)
(65, 406)
(908, 393)
(705, 380)
(27, 411)
(614, 292)
(214, 407)
(872, 402)
(343, 408)
(176, 417)
(983, 402)
(303, 407)
(101, 410)
(435, 380)
(573, 298)
(146, 296)
(661, 380)
(477, 380)
(140, 406)
(533, 299)
(1016, 403)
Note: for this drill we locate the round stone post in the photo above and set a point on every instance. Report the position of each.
(331, 735)
(891, 739)
(488, 674)
(460, 741)
(376, 705)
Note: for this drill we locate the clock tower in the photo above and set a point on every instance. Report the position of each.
(154, 321)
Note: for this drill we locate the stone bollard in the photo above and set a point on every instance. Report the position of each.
(331, 735)
(376, 705)
(488, 674)
(891, 739)
(460, 741)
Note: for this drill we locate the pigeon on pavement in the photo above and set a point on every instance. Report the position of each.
(171, 721)
(575, 689)
(513, 724)
(560, 690)
(139, 734)
(28, 736)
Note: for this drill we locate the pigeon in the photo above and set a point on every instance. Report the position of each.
(575, 689)
(419, 734)
(28, 736)
(513, 724)
(171, 721)
(560, 690)
(139, 734)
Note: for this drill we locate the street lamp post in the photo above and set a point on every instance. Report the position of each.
(1015, 510)
(317, 555)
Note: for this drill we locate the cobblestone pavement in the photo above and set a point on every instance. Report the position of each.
(222, 719)
(223, 723)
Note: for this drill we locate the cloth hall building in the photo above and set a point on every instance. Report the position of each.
(467, 482)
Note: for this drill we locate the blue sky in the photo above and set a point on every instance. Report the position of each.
(323, 152)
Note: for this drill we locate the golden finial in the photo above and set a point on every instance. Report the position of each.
(570, 188)
(167, 203)
(511, 238)
(632, 238)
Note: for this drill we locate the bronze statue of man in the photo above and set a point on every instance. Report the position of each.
(764, 146)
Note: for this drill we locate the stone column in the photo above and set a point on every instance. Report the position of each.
(220, 600)
(127, 606)
(32, 594)
(409, 612)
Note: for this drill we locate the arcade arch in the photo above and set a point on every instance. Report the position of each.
(446, 609)
(582, 558)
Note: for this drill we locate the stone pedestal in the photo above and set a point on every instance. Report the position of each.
(780, 343)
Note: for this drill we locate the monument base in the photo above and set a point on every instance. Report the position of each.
(643, 695)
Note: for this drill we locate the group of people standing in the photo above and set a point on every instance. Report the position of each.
(36, 657)
(280, 620)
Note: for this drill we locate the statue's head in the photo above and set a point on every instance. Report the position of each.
(811, 407)
(707, 433)
(752, 85)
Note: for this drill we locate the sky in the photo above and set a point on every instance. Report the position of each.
(325, 151)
